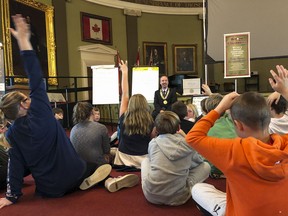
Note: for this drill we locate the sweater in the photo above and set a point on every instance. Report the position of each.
(171, 160)
(256, 172)
(91, 141)
(40, 145)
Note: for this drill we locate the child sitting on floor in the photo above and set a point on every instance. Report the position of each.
(96, 118)
(223, 128)
(58, 114)
(279, 120)
(255, 164)
(172, 166)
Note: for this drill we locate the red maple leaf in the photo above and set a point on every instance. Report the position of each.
(96, 28)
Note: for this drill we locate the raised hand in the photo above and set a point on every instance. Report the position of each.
(21, 32)
(206, 90)
(226, 102)
(275, 96)
(280, 81)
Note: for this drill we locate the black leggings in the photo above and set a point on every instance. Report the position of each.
(3, 168)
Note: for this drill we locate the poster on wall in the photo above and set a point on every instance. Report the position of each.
(105, 89)
(237, 55)
(145, 81)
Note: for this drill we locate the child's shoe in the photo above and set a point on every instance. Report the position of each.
(115, 184)
(99, 175)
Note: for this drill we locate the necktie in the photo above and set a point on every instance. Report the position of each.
(164, 93)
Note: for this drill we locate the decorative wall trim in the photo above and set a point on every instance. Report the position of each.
(96, 54)
(158, 7)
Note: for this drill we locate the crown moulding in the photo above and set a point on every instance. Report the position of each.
(184, 7)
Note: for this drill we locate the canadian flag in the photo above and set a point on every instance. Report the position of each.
(96, 29)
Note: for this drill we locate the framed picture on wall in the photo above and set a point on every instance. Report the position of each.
(96, 29)
(155, 54)
(40, 18)
(185, 59)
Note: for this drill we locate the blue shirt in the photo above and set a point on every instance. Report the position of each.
(39, 144)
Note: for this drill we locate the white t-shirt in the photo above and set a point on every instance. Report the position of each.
(279, 125)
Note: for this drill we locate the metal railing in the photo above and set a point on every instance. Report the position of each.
(73, 89)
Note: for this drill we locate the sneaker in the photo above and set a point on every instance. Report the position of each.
(115, 184)
(217, 176)
(99, 175)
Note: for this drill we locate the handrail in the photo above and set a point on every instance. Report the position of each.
(109, 113)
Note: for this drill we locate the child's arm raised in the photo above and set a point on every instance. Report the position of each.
(226, 102)
(125, 88)
(280, 81)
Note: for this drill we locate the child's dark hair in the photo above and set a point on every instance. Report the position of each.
(81, 112)
(281, 106)
(251, 109)
(180, 109)
(57, 110)
(96, 109)
(167, 122)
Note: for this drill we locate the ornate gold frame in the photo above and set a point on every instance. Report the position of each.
(8, 58)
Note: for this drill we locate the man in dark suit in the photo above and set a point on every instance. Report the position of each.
(164, 97)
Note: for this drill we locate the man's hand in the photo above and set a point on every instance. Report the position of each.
(21, 32)
(4, 202)
(226, 102)
(280, 81)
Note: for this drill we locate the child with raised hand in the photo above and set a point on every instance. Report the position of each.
(280, 81)
(255, 163)
(279, 117)
(172, 167)
(39, 145)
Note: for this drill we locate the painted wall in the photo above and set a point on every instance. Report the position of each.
(172, 29)
(263, 68)
(73, 10)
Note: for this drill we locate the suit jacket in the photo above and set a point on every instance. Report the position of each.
(158, 101)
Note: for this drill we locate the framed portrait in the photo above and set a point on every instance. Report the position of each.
(96, 29)
(185, 61)
(40, 17)
(155, 54)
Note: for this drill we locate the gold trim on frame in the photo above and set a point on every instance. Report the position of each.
(50, 40)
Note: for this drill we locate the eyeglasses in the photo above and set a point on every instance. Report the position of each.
(25, 99)
(2, 126)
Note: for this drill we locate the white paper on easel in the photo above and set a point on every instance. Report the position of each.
(191, 86)
(145, 81)
(105, 87)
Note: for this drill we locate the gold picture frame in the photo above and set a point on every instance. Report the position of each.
(155, 54)
(39, 15)
(185, 58)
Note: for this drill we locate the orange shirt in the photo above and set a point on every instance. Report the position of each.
(257, 173)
